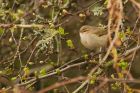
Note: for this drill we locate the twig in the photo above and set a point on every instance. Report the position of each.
(136, 3)
(101, 85)
(53, 73)
(130, 51)
(63, 68)
(56, 85)
(73, 80)
(22, 25)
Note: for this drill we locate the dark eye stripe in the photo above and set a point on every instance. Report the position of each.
(85, 29)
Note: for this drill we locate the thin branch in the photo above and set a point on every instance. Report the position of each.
(73, 80)
(136, 3)
(56, 85)
(53, 73)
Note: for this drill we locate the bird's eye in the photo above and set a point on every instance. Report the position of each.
(84, 29)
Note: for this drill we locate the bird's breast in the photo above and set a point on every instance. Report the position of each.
(89, 41)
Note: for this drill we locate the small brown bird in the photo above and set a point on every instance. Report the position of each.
(93, 38)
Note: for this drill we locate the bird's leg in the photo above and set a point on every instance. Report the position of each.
(100, 55)
(91, 55)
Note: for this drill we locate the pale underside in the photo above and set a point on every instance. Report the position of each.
(93, 42)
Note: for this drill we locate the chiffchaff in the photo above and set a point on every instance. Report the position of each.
(93, 38)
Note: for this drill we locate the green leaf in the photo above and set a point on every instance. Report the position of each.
(120, 75)
(116, 85)
(2, 12)
(58, 71)
(128, 31)
(20, 12)
(1, 31)
(61, 31)
(13, 78)
(112, 76)
(106, 2)
(122, 35)
(70, 44)
(43, 71)
(52, 63)
(123, 64)
(85, 56)
(26, 71)
(92, 81)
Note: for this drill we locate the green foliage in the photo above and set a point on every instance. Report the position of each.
(17, 16)
(92, 80)
(70, 44)
(13, 78)
(47, 39)
(61, 31)
(8, 71)
(122, 35)
(106, 2)
(123, 64)
(120, 75)
(2, 12)
(98, 11)
(85, 56)
(1, 31)
(43, 72)
(129, 89)
(128, 31)
(58, 71)
(47, 36)
(116, 86)
(112, 76)
(52, 63)
(26, 71)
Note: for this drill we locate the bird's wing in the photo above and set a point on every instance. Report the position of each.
(103, 40)
(99, 31)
